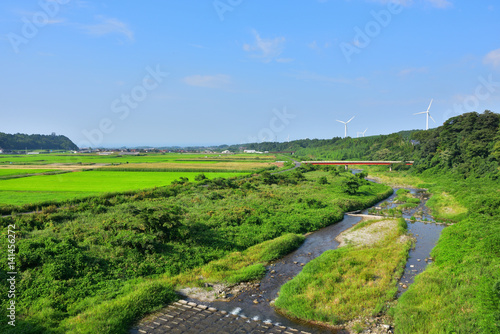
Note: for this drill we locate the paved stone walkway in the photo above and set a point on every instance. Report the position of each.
(191, 318)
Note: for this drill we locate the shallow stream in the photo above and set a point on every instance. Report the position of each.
(254, 301)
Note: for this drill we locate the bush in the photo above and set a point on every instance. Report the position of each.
(323, 180)
(350, 185)
(250, 273)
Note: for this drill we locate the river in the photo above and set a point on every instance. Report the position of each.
(254, 301)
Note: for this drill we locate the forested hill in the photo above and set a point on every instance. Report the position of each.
(20, 141)
(468, 144)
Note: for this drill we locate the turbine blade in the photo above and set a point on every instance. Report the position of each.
(350, 119)
(432, 118)
(430, 105)
(341, 121)
(418, 113)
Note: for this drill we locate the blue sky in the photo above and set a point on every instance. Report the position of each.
(205, 72)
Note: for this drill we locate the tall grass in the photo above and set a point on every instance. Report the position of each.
(347, 283)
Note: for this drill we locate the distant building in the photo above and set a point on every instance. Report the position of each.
(105, 153)
(33, 153)
(226, 152)
(252, 151)
(1, 151)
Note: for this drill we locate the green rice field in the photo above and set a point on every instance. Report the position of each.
(45, 159)
(42, 188)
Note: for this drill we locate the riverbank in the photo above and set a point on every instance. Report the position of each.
(458, 291)
(356, 281)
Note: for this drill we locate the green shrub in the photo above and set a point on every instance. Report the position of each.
(280, 247)
(117, 315)
(250, 273)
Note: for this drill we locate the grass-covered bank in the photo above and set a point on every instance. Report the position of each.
(118, 314)
(350, 282)
(96, 257)
(459, 293)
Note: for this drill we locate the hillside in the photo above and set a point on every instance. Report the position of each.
(468, 144)
(21, 141)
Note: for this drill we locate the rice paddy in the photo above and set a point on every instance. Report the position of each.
(95, 174)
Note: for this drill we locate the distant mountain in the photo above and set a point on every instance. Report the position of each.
(21, 141)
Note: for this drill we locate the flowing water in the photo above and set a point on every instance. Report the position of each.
(254, 301)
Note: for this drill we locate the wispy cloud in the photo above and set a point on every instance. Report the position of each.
(211, 81)
(411, 70)
(407, 3)
(107, 26)
(440, 3)
(197, 46)
(492, 58)
(265, 49)
(311, 76)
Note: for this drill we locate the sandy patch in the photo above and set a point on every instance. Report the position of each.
(367, 235)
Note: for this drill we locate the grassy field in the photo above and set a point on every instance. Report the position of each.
(112, 173)
(81, 184)
(13, 172)
(245, 166)
(460, 291)
(43, 159)
(97, 266)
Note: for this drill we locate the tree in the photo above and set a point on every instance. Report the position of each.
(351, 185)
(323, 180)
(164, 223)
(200, 177)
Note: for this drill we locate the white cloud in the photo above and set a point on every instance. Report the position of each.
(440, 3)
(109, 26)
(197, 46)
(411, 70)
(313, 45)
(311, 76)
(493, 58)
(407, 3)
(211, 81)
(264, 48)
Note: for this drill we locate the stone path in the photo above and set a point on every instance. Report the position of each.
(191, 318)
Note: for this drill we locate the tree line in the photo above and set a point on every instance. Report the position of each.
(21, 141)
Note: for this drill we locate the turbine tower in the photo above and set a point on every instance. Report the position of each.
(428, 115)
(364, 132)
(345, 123)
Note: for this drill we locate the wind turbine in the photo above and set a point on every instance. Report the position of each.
(288, 139)
(345, 123)
(428, 115)
(364, 132)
